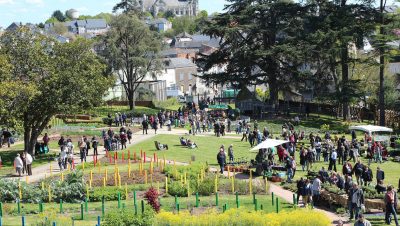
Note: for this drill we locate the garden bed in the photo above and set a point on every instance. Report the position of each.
(135, 178)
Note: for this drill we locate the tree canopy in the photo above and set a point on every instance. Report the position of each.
(131, 50)
(50, 78)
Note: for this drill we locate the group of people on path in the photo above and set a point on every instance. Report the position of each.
(23, 164)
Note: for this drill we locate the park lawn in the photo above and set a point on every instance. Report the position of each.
(206, 153)
(30, 211)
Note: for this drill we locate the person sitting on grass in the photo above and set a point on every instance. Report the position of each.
(191, 144)
(183, 141)
(161, 146)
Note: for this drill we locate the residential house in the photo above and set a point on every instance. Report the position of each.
(161, 24)
(91, 27)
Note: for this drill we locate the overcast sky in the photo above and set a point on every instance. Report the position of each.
(36, 11)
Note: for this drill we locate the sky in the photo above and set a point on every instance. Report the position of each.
(36, 11)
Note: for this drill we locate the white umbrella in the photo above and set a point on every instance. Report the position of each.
(269, 143)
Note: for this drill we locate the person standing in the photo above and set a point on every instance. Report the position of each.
(155, 125)
(230, 153)
(28, 160)
(46, 140)
(391, 205)
(221, 158)
(356, 200)
(307, 194)
(316, 190)
(129, 133)
(95, 144)
(367, 176)
(332, 160)
(18, 165)
(300, 189)
(380, 174)
(82, 149)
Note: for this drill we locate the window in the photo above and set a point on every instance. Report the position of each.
(181, 76)
(190, 76)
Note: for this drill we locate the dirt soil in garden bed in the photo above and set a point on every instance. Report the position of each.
(135, 178)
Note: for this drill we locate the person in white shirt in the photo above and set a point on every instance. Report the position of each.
(28, 160)
(316, 190)
(18, 164)
(332, 160)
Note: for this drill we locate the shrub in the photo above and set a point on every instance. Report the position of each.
(128, 217)
(176, 188)
(152, 199)
(108, 121)
(243, 217)
(206, 187)
(325, 128)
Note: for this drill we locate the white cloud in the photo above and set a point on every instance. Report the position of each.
(6, 2)
(35, 2)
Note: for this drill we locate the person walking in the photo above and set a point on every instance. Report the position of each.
(391, 205)
(18, 165)
(28, 160)
(221, 158)
(145, 126)
(300, 189)
(367, 176)
(82, 149)
(155, 125)
(307, 194)
(129, 133)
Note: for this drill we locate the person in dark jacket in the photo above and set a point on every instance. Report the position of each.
(380, 188)
(300, 188)
(145, 126)
(221, 158)
(355, 200)
(367, 176)
(380, 174)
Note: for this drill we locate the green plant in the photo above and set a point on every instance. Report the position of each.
(205, 187)
(128, 217)
(176, 188)
(340, 210)
(325, 127)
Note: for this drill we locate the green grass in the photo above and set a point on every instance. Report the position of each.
(207, 151)
(167, 203)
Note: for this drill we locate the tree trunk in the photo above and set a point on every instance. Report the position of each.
(381, 73)
(345, 80)
(131, 100)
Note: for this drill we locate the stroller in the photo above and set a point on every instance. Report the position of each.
(40, 148)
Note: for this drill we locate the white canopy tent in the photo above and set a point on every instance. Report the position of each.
(374, 131)
(371, 129)
(269, 143)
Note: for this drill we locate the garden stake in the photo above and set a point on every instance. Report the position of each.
(19, 207)
(166, 185)
(272, 198)
(143, 203)
(233, 184)
(126, 191)
(294, 200)
(216, 198)
(1, 221)
(129, 156)
(23, 220)
(184, 178)
(216, 183)
(251, 183)
(277, 205)
(119, 200)
(54, 223)
(19, 190)
(223, 208)
(27, 179)
(123, 157)
(87, 192)
(144, 157)
(42, 185)
(145, 177)
(134, 197)
(261, 207)
(86, 205)
(176, 200)
(106, 174)
(98, 220)
(135, 209)
(104, 182)
(255, 205)
(237, 200)
(197, 199)
(51, 170)
(62, 176)
(229, 173)
(61, 206)
(188, 189)
(254, 198)
(123, 206)
(1, 209)
(102, 206)
(81, 211)
(177, 205)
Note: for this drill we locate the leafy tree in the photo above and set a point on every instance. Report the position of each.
(259, 44)
(59, 16)
(131, 50)
(127, 6)
(106, 16)
(169, 14)
(184, 24)
(52, 20)
(57, 78)
(333, 27)
(59, 29)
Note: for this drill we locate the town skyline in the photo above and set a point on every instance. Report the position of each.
(36, 11)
